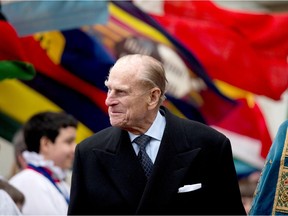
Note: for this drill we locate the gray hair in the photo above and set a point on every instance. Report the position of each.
(152, 72)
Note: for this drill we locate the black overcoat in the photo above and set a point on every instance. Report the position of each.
(108, 179)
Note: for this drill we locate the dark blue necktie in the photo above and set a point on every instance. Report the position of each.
(143, 157)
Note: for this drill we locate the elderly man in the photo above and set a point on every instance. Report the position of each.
(150, 161)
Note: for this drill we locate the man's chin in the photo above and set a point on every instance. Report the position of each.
(115, 123)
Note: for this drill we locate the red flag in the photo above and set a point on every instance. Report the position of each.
(246, 50)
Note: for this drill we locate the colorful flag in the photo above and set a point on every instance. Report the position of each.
(71, 74)
(14, 96)
(56, 83)
(29, 17)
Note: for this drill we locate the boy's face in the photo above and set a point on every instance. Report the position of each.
(62, 150)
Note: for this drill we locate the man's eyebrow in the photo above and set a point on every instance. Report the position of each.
(117, 88)
(122, 88)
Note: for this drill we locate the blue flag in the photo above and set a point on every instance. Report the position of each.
(29, 17)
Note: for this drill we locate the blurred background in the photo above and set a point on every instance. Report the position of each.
(226, 63)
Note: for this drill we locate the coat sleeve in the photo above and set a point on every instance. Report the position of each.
(227, 181)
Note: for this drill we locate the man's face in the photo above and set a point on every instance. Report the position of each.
(127, 99)
(62, 150)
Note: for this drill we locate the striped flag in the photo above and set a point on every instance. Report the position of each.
(13, 93)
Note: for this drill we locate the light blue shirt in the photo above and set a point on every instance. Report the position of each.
(156, 132)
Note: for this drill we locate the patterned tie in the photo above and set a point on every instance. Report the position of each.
(144, 158)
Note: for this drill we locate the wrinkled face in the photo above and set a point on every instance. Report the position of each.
(62, 150)
(127, 99)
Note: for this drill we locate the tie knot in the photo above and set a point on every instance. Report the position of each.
(142, 140)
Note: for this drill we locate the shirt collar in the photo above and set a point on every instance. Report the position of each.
(38, 160)
(156, 130)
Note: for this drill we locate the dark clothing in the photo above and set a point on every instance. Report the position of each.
(108, 178)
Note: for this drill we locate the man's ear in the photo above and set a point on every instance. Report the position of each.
(154, 97)
(44, 145)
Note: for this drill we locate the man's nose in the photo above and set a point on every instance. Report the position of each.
(110, 99)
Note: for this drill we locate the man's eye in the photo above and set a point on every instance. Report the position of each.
(120, 92)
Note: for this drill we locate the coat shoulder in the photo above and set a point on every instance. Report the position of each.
(100, 139)
(193, 127)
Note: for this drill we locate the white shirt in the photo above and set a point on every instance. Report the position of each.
(155, 132)
(41, 196)
(7, 205)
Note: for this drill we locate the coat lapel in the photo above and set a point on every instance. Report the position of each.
(124, 169)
